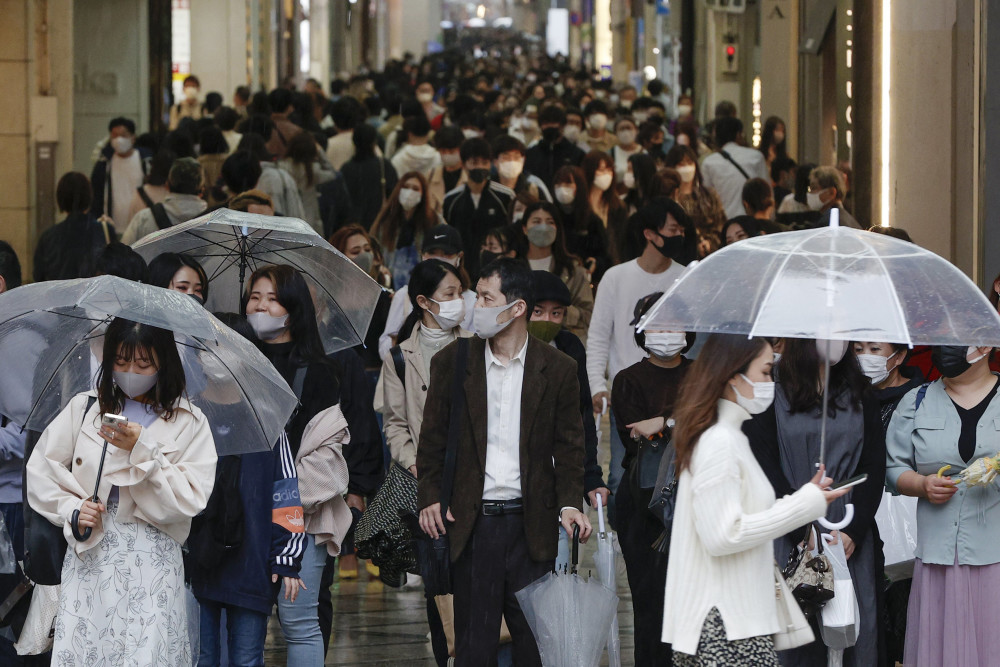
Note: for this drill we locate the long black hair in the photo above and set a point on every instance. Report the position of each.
(563, 261)
(424, 281)
(129, 340)
(165, 266)
(293, 295)
(799, 377)
(644, 171)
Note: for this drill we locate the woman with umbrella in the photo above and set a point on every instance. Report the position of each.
(948, 424)
(786, 441)
(122, 596)
(719, 607)
(280, 309)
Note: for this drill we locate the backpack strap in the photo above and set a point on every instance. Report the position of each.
(160, 216)
(299, 381)
(920, 395)
(399, 363)
(734, 163)
(144, 196)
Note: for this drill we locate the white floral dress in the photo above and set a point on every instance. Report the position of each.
(122, 603)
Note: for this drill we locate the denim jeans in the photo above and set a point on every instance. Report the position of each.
(615, 470)
(246, 631)
(300, 619)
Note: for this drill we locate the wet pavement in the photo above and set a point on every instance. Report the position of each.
(375, 625)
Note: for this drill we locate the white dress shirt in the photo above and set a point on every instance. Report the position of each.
(503, 426)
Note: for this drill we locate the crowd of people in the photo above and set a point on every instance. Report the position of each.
(520, 216)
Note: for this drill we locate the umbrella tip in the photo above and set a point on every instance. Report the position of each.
(835, 217)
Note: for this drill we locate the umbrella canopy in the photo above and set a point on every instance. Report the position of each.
(604, 561)
(570, 617)
(231, 245)
(52, 338)
(833, 283)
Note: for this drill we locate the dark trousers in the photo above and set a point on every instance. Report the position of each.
(493, 566)
(647, 575)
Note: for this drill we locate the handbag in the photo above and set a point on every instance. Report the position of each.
(39, 626)
(794, 627)
(381, 536)
(433, 554)
(809, 575)
(44, 542)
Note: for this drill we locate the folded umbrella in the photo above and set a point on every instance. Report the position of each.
(604, 561)
(231, 245)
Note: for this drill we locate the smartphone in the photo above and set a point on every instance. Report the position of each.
(113, 420)
(854, 481)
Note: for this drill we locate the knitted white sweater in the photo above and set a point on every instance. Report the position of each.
(720, 548)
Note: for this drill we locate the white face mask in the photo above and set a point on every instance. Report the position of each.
(626, 137)
(191, 94)
(565, 195)
(122, 145)
(687, 172)
(484, 320)
(763, 396)
(266, 326)
(451, 160)
(541, 236)
(640, 116)
(134, 385)
(572, 133)
(666, 344)
(424, 98)
(451, 313)
(510, 169)
(683, 110)
(598, 121)
(813, 201)
(603, 181)
(629, 180)
(683, 140)
(874, 366)
(409, 199)
(838, 348)
(470, 134)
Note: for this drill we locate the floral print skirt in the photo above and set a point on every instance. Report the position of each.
(714, 650)
(122, 602)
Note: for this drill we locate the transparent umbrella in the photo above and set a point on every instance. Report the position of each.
(832, 283)
(604, 561)
(52, 337)
(569, 616)
(231, 245)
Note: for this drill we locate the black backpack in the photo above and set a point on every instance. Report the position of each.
(218, 530)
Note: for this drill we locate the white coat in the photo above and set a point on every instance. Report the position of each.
(164, 481)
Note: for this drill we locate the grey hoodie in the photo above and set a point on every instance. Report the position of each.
(423, 158)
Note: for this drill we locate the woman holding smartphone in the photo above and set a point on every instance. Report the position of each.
(122, 595)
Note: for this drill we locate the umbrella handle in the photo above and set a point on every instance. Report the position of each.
(74, 525)
(576, 547)
(843, 523)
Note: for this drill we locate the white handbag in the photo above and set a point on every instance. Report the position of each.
(39, 624)
(794, 628)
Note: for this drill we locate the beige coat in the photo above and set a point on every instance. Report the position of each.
(581, 308)
(435, 184)
(403, 409)
(165, 480)
(323, 478)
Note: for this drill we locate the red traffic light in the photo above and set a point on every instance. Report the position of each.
(730, 50)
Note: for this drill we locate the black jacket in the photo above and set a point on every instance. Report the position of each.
(101, 184)
(70, 249)
(363, 179)
(544, 159)
(567, 343)
(472, 222)
(334, 204)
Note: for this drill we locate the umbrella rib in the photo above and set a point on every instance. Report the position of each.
(774, 284)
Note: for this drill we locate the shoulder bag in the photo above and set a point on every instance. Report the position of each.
(809, 574)
(434, 554)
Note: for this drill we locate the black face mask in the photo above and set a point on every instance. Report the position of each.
(550, 135)
(951, 360)
(485, 257)
(656, 149)
(479, 175)
(672, 246)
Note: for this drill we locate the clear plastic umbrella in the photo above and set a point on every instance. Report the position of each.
(604, 561)
(231, 245)
(832, 283)
(52, 337)
(569, 616)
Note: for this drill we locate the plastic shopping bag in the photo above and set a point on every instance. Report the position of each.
(840, 616)
(897, 526)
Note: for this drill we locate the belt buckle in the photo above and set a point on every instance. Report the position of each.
(492, 509)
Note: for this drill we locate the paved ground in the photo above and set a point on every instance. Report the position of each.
(375, 625)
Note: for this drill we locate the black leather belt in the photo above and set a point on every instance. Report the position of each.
(501, 507)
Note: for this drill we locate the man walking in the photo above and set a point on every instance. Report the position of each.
(519, 471)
